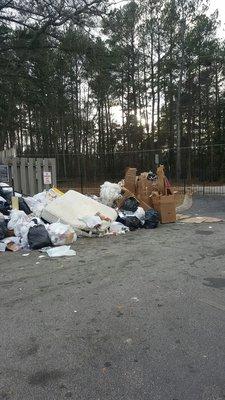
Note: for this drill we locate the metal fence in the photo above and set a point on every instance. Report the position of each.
(202, 167)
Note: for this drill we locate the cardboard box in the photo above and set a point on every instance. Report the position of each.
(130, 179)
(165, 205)
(145, 189)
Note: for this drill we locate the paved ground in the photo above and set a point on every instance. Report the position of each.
(137, 317)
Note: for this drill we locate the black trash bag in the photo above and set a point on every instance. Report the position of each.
(23, 206)
(120, 219)
(151, 219)
(5, 207)
(151, 176)
(38, 237)
(3, 229)
(130, 204)
(132, 223)
(6, 192)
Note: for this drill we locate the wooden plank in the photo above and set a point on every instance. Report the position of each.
(53, 170)
(39, 177)
(24, 176)
(16, 174)
(31, 176)
(15, 177)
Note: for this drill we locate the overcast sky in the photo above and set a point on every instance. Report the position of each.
(220, 5)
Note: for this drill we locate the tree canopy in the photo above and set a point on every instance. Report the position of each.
(97, 80)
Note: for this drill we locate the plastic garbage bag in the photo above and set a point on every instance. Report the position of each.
(40, 200)
(151, 176)
(23, 206)
(3, 229)
(118, 228)
(131, 222)
(21, 223)
(61, 234)
(37, 202)
(139, 213)
(4, 207)
(17, 220)
(6, 192)
(151, 219)
(130, 204)
(109, 192)
(38, 237)
(61, 251)
(24, 229)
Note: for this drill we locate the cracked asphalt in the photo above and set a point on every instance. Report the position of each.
(133, 317)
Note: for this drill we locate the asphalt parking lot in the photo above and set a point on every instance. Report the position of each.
(133, 317)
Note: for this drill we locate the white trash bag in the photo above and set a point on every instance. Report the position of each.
(109, 192)
(61, 234)
(118, 228)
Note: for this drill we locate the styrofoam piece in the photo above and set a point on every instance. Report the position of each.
(72, 207)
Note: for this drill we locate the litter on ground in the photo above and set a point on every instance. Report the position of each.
(51, 221)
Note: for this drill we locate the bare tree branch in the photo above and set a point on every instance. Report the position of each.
(42, 14)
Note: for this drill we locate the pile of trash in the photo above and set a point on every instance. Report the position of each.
(52, 220)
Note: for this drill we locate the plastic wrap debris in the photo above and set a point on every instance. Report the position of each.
(151, 219)
(13, 247)
(3, 229)
(91, 221)
(12, 239)
(38, 237)
(40, 200)
(61, 234)
(118, 228)
(130, 204)
(72, 207)
(109, 192)
(61, 251)
(2, 247)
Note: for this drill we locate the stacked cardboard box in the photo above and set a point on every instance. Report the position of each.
(145, 189)
(152, 194)
(130, 179)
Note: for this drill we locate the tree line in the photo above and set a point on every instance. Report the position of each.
(100, 82)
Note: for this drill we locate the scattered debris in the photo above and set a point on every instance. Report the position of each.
(135, 299)
(61, 251)
(51, 220)
(197, 220)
